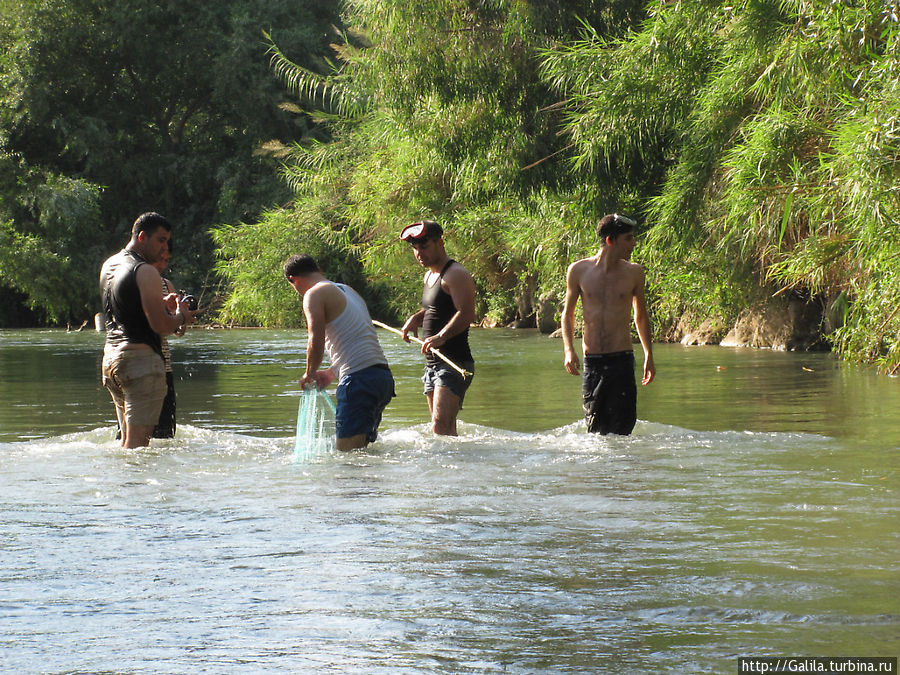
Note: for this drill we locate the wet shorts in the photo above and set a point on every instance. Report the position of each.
(165, 426)
(442, 375)
(609, 393)
(362, 397)
(136, 380)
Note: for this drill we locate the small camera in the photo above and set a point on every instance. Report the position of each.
(190, 301)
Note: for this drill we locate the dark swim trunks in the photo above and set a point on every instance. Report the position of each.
(609, 393)
(442, 375)
(362, 397)
(165, 428)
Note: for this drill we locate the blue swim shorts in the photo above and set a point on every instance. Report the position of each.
(362, 397)
(442, 375)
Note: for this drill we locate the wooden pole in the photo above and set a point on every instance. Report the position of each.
(461, 371)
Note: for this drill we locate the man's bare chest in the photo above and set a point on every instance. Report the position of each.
(607, 289)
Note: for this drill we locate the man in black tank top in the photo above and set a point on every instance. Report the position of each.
(448, 308)
(136, 315)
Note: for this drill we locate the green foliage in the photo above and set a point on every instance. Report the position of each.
(45, 233)
(771, 128)
(437, 110)
(253, 256)
(168, 106)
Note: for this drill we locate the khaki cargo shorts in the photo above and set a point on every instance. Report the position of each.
(136, 380)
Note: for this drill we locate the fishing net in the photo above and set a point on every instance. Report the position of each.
(315, 425)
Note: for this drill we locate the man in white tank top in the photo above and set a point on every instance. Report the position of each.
(338, 322)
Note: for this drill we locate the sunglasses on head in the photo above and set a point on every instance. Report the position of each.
(625, 220)
(414, 233)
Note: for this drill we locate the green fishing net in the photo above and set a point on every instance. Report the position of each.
(315, 425)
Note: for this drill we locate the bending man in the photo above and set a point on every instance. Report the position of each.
(338, 321)
(448, 308)
(609, 287)
(136, 316)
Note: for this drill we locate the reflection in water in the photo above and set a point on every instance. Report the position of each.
(246, 381)
(745, 517)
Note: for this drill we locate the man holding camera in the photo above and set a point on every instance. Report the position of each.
(136, 315)
(165, 427)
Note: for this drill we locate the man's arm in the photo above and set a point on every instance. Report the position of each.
(161, 321)
(645, 333)
(413, 323)
(459, 284)
(314, 309)
(171, 302)
(573, 292)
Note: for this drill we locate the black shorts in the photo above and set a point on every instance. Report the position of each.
(165, 427)
(609, 393)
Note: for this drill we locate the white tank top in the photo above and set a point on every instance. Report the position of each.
(350, 338)
(164, 343)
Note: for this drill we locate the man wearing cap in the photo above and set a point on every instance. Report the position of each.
(448, 308)
(609, 287)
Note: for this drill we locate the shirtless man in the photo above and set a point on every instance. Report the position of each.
(136, 315)
(337, 321)
(609, 286)
(448, 308)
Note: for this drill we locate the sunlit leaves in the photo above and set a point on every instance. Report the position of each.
(436, 110)
(777, 124)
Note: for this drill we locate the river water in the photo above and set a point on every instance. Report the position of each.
(753, 512)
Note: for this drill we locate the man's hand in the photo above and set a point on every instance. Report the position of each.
(320, 379)
(433, 342)
(649, 370)
(171, 301)
(572, 364)
(412, 324)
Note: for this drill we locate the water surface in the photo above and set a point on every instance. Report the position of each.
(753, 512)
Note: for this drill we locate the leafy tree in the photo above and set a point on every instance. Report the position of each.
(161, 105)
(44, 235)
(437, 110)
(772, 124)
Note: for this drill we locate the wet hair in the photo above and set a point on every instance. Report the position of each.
(300, 265)
(149, 222)
(612, 225)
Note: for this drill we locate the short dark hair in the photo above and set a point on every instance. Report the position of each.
(300, 265)
(149, 222)
(612, 225)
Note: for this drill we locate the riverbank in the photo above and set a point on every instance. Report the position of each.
(781, 323)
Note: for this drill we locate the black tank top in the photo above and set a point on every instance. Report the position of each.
(124, 315)
(439, 309)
